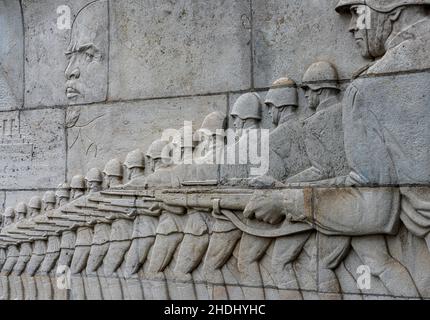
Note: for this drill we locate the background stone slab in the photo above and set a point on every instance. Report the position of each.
(169, 48)
(99, 133)
(32, 149)
(290, 35)
(11, 55)
(12, 198)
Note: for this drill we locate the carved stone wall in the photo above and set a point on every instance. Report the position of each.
(336, 93)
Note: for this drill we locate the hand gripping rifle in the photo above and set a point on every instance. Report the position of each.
(229, 204)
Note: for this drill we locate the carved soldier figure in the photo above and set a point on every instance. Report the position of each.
(134, 165)
(12, 256)
(324, 147)
(25, 251)
(121, 233)
(37, 257)
(62, 194)
(49, 200)
(113, 174)
(169, 231)
(378, 123)
(287, 157)
(196, 233)
(162, 175)
(247, 114)
(23, 282)
(143, 236)
(323, 133)
(77, 187)
(34, 207)
(84, 238)
(287, 150)
(68, 237)
(52, 251)
(94, 180)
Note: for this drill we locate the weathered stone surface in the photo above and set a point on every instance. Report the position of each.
(2, 199)
(11, 55)
(33, 149)
(341, 212)
(12, 198)
(98, 133)
(46, 45)
(290, 35)
(179, 48)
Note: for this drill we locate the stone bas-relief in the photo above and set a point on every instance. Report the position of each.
(53, 62)
(346, 193)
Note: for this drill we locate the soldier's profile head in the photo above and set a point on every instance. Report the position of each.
(113, 173)
(319, 82)
(86, 53)
(77, 186)
(62, 194)
(34, 206)
(94, 179)
(375, 22)
(8, 216)
(134, 164)
(49, 201)
(21, 211)
(246, 112)
(159, 154)
(282, 99)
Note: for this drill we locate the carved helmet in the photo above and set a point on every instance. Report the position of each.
(379, 5)
(283, 93)
(9, 213)
(113, 168)
(63, 190)
(213, 122)
(94, 175)
(135, 159)
(320, 75)
(158, 150)
(35, 203)
(21, 208)
(248, 106)
(49, 197)
(78, 182)
(184, 137)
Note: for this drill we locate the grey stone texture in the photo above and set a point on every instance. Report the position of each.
(12, 198)
(33, 149)
(11, 53)
(192, 47)
(342, 211)
(280, 47)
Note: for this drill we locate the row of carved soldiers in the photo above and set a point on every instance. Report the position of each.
(110, 250)
(119, 256)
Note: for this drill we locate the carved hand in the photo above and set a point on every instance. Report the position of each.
(266, 207)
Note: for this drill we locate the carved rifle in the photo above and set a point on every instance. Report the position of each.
(228, 204)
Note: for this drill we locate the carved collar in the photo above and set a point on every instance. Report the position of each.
(327, 103)
(419, 28)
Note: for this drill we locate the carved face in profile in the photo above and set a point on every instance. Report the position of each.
(86, 72)
(313, 97)
(371, 29)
